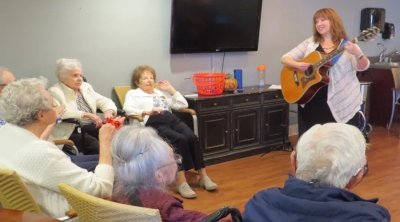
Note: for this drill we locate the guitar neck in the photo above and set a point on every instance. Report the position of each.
(332, 54)
(365, 35)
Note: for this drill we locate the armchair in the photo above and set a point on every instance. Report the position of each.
(94, 209)
(15, 195)
(121, 91)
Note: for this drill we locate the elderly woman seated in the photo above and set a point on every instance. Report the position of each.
(28, 109)
(144, 166)
(155, 106)
(81, 102)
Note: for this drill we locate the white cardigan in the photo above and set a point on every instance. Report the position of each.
(137, 101)
(42, 166)
(67, 97)
(344, 94)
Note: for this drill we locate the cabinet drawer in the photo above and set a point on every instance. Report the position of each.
(272, 96)
(213, 104)
(246, 100)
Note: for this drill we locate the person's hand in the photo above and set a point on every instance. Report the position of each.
(303, 66)
(60, 110)
(95, 118)
(108, 114)
(166, 86)
(353, 49)
(106, 133)
(155, 111)
(115, 122)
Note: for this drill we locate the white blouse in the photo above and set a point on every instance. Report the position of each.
(137, 101)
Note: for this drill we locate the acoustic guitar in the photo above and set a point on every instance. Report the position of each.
(301, 86)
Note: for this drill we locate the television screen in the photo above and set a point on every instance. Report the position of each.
(215, 25)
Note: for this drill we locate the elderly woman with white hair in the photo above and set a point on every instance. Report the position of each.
(81, 102)
(144, 166)
(28, 109)
(329, 160)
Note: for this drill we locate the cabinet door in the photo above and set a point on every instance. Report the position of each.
(214, 133)
(246, 127)
(275, 123)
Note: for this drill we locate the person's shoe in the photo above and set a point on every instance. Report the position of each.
(207, 183)
(185, 191)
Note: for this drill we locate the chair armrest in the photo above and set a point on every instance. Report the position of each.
(69, 146)
(63, 142)
(187, 110)
(71, 120)
(136, 117)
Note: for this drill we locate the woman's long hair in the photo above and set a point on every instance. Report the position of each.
(337, 29)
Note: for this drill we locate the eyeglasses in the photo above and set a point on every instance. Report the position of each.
(178, 160)
(363, 168)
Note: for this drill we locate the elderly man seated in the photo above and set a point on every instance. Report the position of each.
(329, 160)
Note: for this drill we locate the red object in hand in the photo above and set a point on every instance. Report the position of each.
(115, 123)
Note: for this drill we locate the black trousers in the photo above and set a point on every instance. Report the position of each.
(317, 111)
(88, 162)
(181, 137)
(86, 139)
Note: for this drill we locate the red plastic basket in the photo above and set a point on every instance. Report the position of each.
(209, 84)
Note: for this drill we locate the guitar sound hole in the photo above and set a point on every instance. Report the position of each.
(309, 71)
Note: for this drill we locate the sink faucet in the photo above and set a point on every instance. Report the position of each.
(382, 53)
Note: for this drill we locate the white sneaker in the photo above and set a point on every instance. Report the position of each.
(185, 191)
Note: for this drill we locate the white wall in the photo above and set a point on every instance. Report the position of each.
(111, 37)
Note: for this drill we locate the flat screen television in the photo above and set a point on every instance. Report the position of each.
(215, 25)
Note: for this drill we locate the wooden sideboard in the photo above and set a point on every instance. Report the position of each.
(234, 125)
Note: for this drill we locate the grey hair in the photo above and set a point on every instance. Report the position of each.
(2, 70)
(64, 66)
(137, 153)
(330, 154)
(21, 101)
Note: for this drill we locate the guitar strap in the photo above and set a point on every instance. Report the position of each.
(336, 58)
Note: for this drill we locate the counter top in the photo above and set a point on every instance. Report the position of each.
(246, 90)
(385, 65)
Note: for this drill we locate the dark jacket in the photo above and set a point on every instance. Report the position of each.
(303, 201)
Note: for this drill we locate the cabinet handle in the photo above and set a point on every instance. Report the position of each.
(276, 96)
(266, 124)
(215, 104)
(247, 99)
(237, 130)
(226, 131)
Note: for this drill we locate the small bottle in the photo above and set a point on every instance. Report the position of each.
(261, 75)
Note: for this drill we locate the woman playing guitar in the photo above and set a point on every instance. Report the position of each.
(337, 97)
